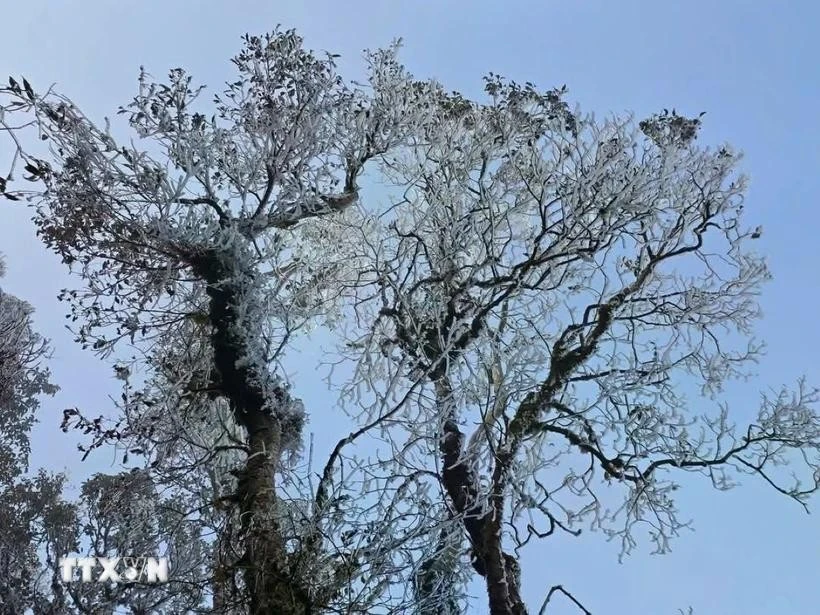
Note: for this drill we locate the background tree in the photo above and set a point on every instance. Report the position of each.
(23, 378)
(28, 504)
(531, 322)
(38, 524)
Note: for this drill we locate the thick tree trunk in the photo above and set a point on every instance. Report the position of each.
(270, 585)
(481, 517)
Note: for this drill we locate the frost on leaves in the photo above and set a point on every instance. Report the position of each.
(530, 324)
(552, 287)
(23, 378)
(199, 249)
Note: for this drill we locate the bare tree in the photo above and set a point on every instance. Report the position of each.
(523, 321)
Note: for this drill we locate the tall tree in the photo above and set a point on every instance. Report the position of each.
(523, 320)
(562, 285)
(205, 260)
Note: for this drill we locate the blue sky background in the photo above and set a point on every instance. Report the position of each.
(752, 66)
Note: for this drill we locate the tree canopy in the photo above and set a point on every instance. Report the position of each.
(536, 316)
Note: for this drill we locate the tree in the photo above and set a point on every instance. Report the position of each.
(23, 377)
(522, 320)
(38, 525)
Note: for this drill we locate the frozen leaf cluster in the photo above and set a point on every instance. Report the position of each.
(535, 324)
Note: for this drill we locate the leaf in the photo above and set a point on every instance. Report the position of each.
(29, 89)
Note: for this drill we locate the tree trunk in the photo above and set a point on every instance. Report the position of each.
(481, 517)
(271, 587)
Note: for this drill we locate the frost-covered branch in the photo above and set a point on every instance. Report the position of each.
(534, 334)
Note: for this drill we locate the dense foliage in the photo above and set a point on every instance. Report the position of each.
(523, 315)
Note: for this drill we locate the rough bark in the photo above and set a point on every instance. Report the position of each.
(271, 588)
(482, 521)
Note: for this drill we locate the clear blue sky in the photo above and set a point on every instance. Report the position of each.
(752, 66)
